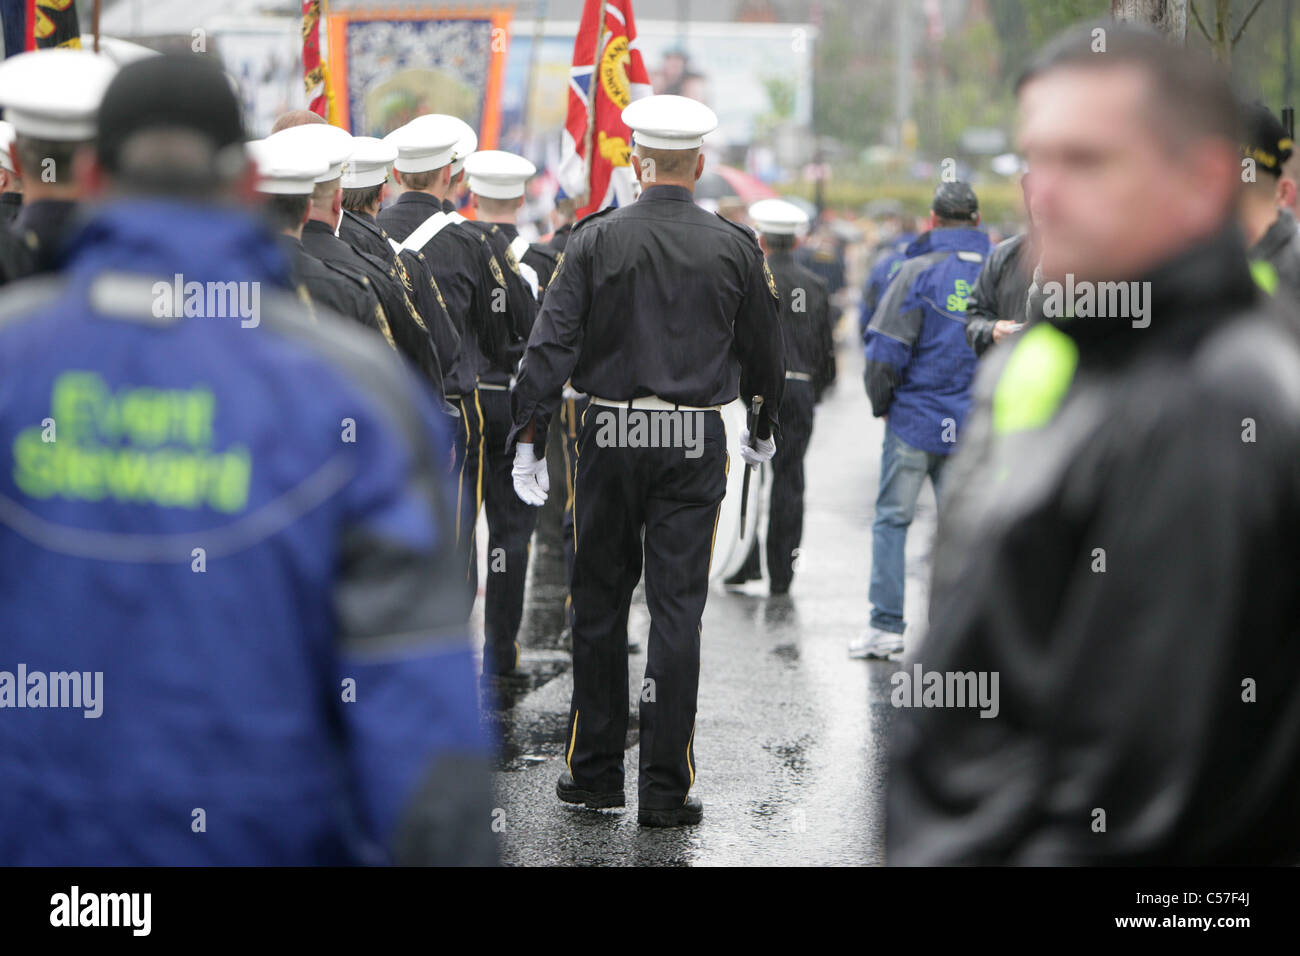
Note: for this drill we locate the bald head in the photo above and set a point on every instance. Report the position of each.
(296, 118)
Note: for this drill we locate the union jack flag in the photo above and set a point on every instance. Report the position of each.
(608, 72)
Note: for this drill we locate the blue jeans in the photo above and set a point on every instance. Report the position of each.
(902, 473)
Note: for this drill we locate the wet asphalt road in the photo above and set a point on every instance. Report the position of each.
(790, 739)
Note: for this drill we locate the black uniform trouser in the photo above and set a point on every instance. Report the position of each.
(571, 410)
(469, 489)
(622, 493)
(510, 529)
(785, 501)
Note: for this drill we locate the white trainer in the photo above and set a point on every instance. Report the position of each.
(876, 644)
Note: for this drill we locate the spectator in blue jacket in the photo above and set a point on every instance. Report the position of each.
(234, 629)
(918, 375)
(888, 260)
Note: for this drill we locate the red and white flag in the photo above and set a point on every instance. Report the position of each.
(608, 73)
(315, 75)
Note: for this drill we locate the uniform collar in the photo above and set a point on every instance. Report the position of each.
(411, 196)
(316, 226)
(676, 193)
(364, 220)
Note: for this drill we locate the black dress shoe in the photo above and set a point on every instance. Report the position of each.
(570, 792)
(689, 814)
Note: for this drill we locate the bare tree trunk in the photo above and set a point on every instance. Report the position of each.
(1167, 16)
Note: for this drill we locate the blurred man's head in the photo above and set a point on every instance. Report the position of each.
(1132, 144)
(1265, 148)
(296, 118)
(170, 125)
(954, 207)
(52, 99)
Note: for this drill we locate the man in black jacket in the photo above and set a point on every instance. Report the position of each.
(998, 305)
(1114, 622)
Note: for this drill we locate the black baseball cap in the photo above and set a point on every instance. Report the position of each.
(956, 201)
(171, 91)
(1266, 141)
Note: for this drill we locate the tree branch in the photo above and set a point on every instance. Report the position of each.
(1197, 17)
(1241, 29)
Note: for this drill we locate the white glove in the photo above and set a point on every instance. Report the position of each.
(571, 393)
(532, 483)
(761, 451)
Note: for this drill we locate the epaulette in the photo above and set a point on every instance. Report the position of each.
(743, 230)
(590, 216)
(545, 251)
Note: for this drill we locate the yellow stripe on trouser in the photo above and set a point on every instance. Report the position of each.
(689, 764)
(460, 480)
(482, 435)
(573, 740)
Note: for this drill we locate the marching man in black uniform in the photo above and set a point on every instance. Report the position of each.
(807, 324)
(363, 185)
(496, 186)
(286, 176)
(661, 312)
(496, 181)
(473, 285)
(11, 184)
(51, 97)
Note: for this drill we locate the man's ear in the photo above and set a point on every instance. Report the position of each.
(1284, 196)
(306, 214)
(336, 203)
(397, 177)
(444, 178)
(699, 167)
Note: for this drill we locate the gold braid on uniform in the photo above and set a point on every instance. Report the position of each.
(305, 296)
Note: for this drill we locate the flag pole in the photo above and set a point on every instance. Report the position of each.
(591, 97)
(95, 19)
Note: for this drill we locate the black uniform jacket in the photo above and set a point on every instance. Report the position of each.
(468, 274)
(658, 297)
(805, 320)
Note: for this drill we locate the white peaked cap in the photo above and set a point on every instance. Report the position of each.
(495, 174)
(466, 145)
(55, 94)
(369, 163)
(426, 143)
(6, 140)
(286, 167)
(330, 143)
(776, 217)
(669, 122)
